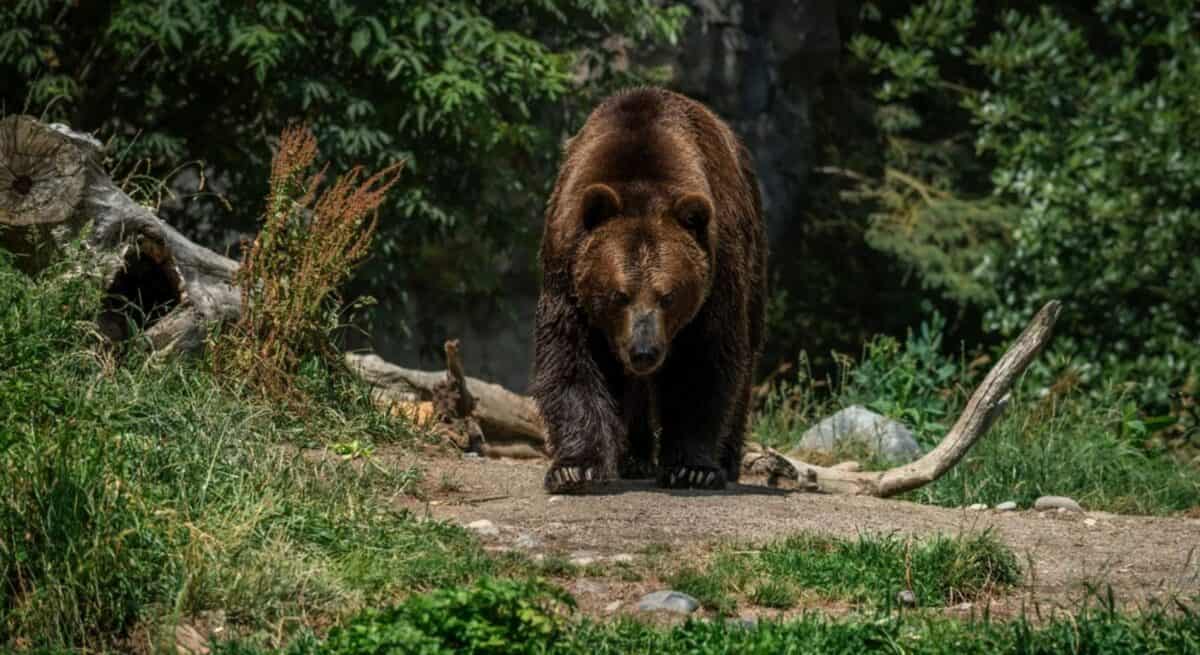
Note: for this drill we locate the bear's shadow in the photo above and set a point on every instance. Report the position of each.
(624, 486)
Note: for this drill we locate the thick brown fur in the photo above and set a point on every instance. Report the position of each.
(651, 309)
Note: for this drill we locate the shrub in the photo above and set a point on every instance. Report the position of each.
(1051, 153)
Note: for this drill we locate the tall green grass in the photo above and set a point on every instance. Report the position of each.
(134, 491)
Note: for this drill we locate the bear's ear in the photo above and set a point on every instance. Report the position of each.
(694, 211)
(600, 203)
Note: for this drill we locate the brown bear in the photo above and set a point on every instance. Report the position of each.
(652, 301)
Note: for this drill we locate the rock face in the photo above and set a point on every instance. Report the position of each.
(881, 435)
(757, 64)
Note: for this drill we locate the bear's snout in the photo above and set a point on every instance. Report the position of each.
(646, 345)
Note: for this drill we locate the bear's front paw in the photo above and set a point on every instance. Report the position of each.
(571, 479)
(691, 477)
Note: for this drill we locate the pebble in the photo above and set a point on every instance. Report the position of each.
(1006, 506)
(584, 557)
(906, 598)
(743, 622)
(1089, 522)
(589, 587)
(977, 507)
(1056, 502)
(554, 499)
(671, 601)
(484, 528)
(528, 542)
(612, 607)
(622, 558)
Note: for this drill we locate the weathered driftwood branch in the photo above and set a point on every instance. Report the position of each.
(984, 406)
(510, 421)
(51, 181)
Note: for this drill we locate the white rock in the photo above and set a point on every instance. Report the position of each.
(977, 507)
(584, 557)
(1006, 506)
(554, 499)
(856, 424)
(484, 527)
(671, 601)
(528, 542)
(612, 607)
(622, 558)
(1089, 522)
(1056, 502)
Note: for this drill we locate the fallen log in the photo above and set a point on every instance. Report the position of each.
(52, 186)
(982, 409)
(511, 423)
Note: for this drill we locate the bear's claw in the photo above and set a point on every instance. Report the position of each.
(569, 479)
(691, 477)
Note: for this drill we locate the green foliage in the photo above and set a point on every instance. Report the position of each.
(140, 491)
(869, 570)
(472, 94)
(1058, 155)
(1092, 631)
(488, 617)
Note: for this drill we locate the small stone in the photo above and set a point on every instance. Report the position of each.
(1056, 502)
(977, 507)
(528, 542)
(590, 587)
(584, 557)
(1006, 506)
(670, 601)
(484, 527)
(554, 499)
(743, 622)
(1091, 523)
(622, 558)
(907, 598)
(612, 607)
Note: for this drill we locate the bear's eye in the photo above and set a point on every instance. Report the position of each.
(666, 299)
(621, 298)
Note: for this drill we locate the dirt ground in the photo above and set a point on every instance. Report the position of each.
(1146, 560)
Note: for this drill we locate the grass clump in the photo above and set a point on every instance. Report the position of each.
(868, 570)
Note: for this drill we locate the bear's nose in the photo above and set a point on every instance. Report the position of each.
(644, 356)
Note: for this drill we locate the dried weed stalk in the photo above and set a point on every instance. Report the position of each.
(307, 249)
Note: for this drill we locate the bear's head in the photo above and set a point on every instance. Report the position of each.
(641, 276)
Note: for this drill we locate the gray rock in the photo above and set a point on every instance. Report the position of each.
(670, 601)
(856, 424)
(1056, 502)
(1006, 506)
(590, 587)
(484, 528)
(906, 598)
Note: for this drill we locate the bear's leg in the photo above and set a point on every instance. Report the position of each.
(694, 409)
(573, 387)
(735, 438)
(637, 408)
